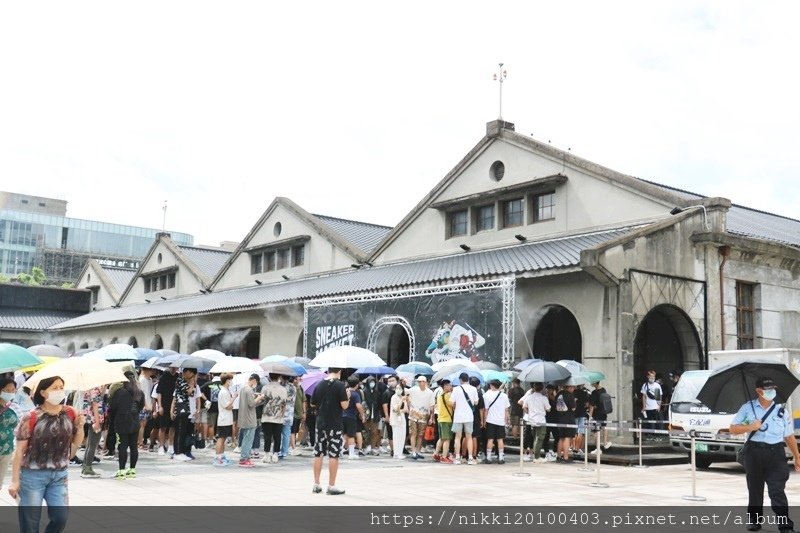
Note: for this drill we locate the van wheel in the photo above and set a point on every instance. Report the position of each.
(701, 462)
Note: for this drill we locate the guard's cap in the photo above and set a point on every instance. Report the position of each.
(765, 383)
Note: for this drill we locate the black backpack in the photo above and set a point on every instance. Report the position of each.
(604, 402)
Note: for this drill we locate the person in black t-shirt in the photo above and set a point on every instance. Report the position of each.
(386, 401)
(598, 413)
(581, 414)
(330, 398)
(165, 390)
(565, 409)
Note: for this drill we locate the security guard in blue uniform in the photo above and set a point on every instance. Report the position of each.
(765, 460)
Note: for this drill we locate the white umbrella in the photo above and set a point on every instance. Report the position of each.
(274, 359)
(79, 373)
(214, 355)
(151, 363)
(236, 365)
(346, 357)
(574, 367)
(116, 352)
(456, 361)
(48, 350)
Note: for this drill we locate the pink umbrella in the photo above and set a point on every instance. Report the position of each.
(311, 380)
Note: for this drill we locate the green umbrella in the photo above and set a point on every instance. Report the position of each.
(592, 375)
(13, 357)
(489, 375)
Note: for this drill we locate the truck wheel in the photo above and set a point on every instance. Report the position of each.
(701, 462)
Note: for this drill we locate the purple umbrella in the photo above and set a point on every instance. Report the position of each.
(311, 380)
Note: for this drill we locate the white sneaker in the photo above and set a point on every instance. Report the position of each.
(274, 458)
(471, 462)
(526, 458)
(540, 460)
(161, 451)
(171, 450)
(456, 461)
(353, 456)
(368, 451)
(607, 445)
(181, 457)
(237, 450)
(267, 459)
(596, 451)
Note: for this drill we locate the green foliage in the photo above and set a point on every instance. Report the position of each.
(35, 277)
(67, 285)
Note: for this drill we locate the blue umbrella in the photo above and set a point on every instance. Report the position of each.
(417, 368)
(146, 353)
(374, 370)
(489, 375)
(297, 367)
(455, 376)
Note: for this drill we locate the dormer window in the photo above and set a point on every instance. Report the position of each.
(278, 255)
(457, 223)
(544, 206)
(159, 281)
(484, 218)
(513, 212)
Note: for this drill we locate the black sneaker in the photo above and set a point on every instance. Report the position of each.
(487, 461)
(501, 461)
(75, 462)
(96, 460)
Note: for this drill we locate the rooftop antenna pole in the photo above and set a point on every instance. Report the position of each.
(164, 220)
(500, 76)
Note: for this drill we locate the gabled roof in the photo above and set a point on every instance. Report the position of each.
(186, 256)
(114, 279)
(498, 131)
(521, 259)
(365, 236)
(207, 260)
(338, 232)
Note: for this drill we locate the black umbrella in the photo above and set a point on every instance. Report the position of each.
(729, 386)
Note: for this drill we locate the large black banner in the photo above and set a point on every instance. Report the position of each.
(447, 325)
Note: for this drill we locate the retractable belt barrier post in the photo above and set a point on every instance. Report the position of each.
(585, 467)
(597, 483)
(693, 496)
(641, 438)
(522, 472)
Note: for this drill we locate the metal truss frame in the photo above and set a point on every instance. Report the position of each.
(372, 338)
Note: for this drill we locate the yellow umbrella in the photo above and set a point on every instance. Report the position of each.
(46, 360)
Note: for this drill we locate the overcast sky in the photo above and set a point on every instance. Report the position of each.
(357, 109)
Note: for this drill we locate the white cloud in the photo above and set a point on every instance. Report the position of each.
(357, 109)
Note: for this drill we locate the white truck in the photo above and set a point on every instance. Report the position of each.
(713, 442)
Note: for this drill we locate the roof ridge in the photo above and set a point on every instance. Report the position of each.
(203, 248)
(670, 187)
(353, 221)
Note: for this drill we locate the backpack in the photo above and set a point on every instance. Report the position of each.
(604, 401)
(34, 417)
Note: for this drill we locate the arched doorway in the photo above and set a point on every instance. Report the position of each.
(299, 350)
(175, 343)
(392, 338)
(98, 343)
(71, 348)
(84, 345)
(157, 343)
(665, 340)
(557, 334)
(132, 341)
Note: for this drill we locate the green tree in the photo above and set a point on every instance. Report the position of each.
(35, 277)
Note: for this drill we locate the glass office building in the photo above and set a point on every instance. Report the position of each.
(26, 237)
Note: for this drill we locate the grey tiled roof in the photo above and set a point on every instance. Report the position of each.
(120, 277)
(552, 254)
(207, 260)
(31, 319)
(365, 236)
(750, 222)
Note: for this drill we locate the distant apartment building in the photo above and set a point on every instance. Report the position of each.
(35, 231)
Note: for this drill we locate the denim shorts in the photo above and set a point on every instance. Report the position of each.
(581, 423)
(462, 427)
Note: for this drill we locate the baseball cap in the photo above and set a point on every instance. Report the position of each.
(422, 378)
(764, 383)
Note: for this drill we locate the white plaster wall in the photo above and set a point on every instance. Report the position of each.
(186, 283)
(583, 203)
(91, 277)
(320, 254)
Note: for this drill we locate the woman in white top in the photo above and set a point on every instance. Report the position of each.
(397, 419)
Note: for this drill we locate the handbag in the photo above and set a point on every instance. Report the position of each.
(741, 453)
(429, 433)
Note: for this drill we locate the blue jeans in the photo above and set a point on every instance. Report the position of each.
(256, 438)
(36, 486)
(246, 438)
(285, 434)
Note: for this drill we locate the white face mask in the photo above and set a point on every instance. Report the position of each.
(55, 397)
(7, 396)
(651, 380)
(769, 394)
(398, 391)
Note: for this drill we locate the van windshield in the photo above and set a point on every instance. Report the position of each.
(687, 388)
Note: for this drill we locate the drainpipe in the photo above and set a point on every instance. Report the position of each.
(724, 252)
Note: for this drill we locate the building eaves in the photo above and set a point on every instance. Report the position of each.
(519, 259)
(31, 319)
(364, 235)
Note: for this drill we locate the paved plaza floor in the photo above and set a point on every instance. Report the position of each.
(385, 481)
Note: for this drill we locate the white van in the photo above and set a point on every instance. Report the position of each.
(713, 441)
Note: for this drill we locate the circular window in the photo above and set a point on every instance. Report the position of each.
(276, 230)
(159, 258)
(497, 170)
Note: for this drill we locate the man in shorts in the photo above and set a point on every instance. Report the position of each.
(445, 410)
(464, 400)
(224, 419)
(497, 412)
(330, 398)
